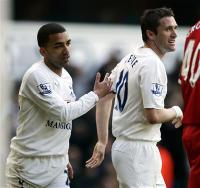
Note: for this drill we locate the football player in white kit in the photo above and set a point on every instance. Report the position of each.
(39, 151)
(140, 86)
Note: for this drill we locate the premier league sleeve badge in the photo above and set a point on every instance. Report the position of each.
(44, 89)
(157, 89)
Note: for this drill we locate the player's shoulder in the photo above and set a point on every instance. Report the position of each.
(150, 62)
(197, 25)
(194, 30)
(148, 57)
(37, 70)
(144, 55)
(140, 56)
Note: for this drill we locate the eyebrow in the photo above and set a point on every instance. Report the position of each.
(58, 43)
(172, 26)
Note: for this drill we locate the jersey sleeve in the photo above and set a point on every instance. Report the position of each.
(41, 92)
(153, 84)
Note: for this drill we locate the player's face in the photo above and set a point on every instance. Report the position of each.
(57, 50)
(166, 34)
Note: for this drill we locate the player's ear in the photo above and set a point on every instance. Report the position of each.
(150, 34)
(43, 52)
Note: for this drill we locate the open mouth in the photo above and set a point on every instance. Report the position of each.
(172, 41)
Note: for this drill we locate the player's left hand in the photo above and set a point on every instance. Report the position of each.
(97, 156)
(70, 171)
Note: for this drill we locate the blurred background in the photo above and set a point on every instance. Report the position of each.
(102, 32)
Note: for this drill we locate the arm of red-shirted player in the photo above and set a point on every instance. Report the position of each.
(103, 109)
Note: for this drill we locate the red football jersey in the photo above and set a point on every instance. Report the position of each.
(190, 76)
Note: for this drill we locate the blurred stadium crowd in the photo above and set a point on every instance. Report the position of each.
(104, 11)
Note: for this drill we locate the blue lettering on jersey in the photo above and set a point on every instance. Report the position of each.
(44, 89)
(132, 60)
(157, 89)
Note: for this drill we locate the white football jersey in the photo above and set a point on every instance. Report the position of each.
(140, 82)
(47, 108)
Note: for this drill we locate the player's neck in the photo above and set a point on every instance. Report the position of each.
(55, 69)
(155, 48)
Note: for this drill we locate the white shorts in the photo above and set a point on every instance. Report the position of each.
(137, 164)
(36, 172)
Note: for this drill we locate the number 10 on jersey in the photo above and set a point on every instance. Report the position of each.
(122, 90)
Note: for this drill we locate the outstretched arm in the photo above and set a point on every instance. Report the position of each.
(40, 90)
(103, 109)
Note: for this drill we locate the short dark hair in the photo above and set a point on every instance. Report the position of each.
(150, 19)
(46, 30)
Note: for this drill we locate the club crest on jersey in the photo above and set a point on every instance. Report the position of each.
(44, 89)
(157, 89)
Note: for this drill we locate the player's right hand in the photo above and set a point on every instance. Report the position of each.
(97, 156)
(104, 87)
(179, 116)
(177, 122)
